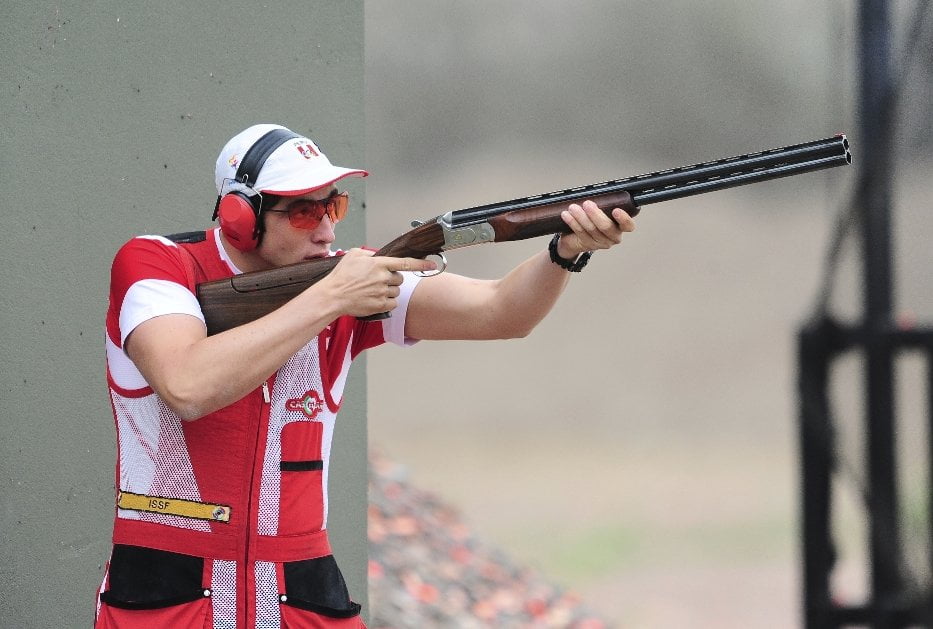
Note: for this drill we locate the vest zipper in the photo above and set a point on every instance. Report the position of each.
(252, 526)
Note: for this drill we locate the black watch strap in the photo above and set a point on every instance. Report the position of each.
(574, 266)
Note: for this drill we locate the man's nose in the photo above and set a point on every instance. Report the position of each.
(324, 231)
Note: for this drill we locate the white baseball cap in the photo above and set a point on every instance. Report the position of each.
(296, 167)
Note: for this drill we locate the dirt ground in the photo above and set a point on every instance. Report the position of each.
(640, 446)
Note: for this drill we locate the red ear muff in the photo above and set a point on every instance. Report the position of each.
(238, 221)
(237, 213)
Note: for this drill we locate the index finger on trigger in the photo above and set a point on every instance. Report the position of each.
(411, 264)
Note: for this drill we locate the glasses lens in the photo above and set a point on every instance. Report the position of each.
(308, 213)
(337, 206)
(305, 213)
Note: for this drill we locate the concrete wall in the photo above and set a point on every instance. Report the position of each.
(113, 114)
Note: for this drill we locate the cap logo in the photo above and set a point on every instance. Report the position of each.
(307, 151)
(233, 161)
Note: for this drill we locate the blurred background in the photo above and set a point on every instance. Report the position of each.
(641, 446)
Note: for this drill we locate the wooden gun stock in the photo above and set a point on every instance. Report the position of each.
(243, 298)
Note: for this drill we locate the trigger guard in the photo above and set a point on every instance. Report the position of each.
(441, 267)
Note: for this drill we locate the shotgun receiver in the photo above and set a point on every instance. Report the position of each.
(237, 300)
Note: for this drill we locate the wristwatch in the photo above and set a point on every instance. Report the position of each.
(574, 266)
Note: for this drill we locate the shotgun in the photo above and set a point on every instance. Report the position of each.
(237, 300)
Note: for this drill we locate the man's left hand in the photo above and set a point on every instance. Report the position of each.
(592, 229)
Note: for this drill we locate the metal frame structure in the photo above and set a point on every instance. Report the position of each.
(893, 601)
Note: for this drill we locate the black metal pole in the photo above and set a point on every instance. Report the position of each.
(817, 445)
(875, 131)
(929, 408)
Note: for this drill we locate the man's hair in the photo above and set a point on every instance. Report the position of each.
(268, 201)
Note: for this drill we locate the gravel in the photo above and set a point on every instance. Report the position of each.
(427, 569)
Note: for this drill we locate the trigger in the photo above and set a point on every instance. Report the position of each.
(441, 266)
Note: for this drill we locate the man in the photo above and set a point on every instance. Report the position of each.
(224, 440)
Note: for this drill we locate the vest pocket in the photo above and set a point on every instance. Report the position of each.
(301, 495)
(148, 587)
(192, 615)
(295, 617)
(316, 596)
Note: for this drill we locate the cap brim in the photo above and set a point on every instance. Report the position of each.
(301, 185)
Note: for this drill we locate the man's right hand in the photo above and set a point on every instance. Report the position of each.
(365, 284)
(196, 374)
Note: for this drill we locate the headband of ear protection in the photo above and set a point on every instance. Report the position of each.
(239, 212)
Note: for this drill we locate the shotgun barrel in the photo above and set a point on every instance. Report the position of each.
(685, 181)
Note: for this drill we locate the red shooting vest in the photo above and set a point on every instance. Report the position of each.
(221, 521)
